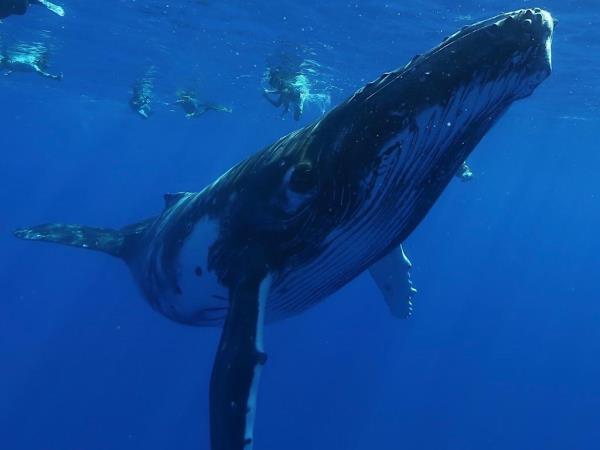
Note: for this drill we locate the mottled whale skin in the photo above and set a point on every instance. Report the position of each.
(329, 200)
(324, 203)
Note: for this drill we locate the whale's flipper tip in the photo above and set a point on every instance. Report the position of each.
(121, 243)
(101, 239)
(47, 232)
(22, 233)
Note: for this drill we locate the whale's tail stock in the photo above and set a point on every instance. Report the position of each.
(117, 243)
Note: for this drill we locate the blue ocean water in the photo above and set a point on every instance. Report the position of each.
(501, 352)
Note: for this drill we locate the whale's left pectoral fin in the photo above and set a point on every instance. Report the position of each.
(238, 363)
(392, 275)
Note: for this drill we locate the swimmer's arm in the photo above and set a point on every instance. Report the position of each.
(275, 103)
(465, 173)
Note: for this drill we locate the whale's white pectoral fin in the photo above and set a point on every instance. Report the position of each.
(239, 360)
(392, 275)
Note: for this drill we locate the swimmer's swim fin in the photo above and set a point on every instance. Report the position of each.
(58, 10)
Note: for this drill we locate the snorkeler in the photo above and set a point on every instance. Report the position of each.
(19, 7)
(283, 84)
(141, 97)
(194, 108)
(32, 61)
(464, 173)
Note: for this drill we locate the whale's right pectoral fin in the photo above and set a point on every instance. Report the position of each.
(239, 360)
(392, 275)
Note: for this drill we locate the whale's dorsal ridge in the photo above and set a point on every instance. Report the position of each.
(171, 198)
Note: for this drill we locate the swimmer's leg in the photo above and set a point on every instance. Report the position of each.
(275, 103)
(197, 113)
(215, 107)
(218, 108)
(58, 10)
(297, 111)
(200, 111)
(46, 74)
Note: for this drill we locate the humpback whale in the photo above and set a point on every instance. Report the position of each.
(285, 228)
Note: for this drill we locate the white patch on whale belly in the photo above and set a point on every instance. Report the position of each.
(200, 290)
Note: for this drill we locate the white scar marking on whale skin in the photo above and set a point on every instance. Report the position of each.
(199, 287)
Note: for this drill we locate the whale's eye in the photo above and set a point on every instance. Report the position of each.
(302, 178)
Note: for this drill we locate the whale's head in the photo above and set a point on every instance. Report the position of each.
(467, 82)
(505, 57)
(509, 54)
(515, 47)
(399, 140)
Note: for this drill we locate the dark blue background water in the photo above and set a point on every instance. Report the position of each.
(502, 352)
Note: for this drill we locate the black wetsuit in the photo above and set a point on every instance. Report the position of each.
(10, 7)
(282, 84)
